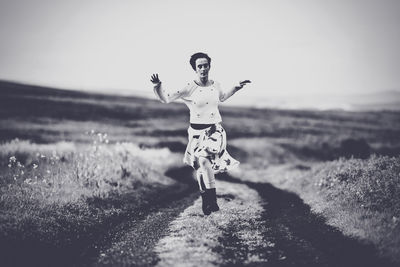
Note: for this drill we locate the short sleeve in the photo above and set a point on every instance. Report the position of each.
(172, 95)
(188, 90)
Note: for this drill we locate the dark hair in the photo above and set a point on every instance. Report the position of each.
(196, 56)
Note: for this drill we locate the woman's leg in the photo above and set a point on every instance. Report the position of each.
(206, 203)
(206, 180)
(206, 174)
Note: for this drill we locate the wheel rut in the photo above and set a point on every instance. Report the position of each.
(131, 242)
(297, 236)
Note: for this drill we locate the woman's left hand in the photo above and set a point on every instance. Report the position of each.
(242, 83)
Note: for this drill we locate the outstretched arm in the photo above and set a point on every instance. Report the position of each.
(162, 94)
(223, 96)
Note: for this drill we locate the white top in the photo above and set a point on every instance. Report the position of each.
(202, 101)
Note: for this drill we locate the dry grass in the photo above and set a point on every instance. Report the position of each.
(64, 171)
(63, 194)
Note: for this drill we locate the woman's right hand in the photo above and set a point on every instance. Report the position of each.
(154, 79)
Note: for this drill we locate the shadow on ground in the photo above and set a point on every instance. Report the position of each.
(300, 237)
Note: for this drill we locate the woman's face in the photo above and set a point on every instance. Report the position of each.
(202, 68)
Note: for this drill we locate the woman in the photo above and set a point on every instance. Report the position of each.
(206, 149)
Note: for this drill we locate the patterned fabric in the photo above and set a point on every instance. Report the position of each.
(202, 101)
(203, 104)
(211, 144)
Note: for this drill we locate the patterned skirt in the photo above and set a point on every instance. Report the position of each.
(211, 144)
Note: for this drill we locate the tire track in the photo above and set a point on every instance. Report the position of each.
(300, 237)
(131, 242)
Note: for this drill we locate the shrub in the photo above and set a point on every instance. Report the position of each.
(373, 183)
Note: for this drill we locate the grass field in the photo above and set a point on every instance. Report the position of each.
(73, 164)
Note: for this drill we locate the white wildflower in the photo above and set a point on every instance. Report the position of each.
(9, 165)
(13, 159)
(35, 166)
(48, 171)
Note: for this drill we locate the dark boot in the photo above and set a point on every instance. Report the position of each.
(213, 199)
(205, 196)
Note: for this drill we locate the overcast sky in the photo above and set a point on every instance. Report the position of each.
(286, 47)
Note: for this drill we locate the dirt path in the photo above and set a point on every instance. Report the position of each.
(257, 225)
(194, 239)
(131, 243)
